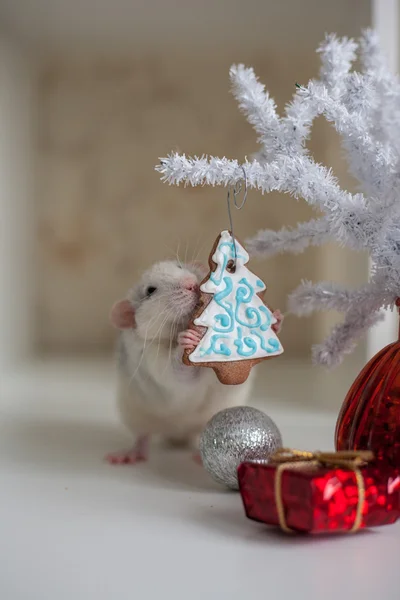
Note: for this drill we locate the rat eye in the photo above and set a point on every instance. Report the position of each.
(150, 290)
(179, 266)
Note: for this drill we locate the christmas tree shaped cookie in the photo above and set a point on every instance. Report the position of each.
(234, 322)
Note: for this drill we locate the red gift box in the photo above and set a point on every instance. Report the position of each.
(318, 496)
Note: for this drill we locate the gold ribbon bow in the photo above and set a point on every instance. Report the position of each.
(286, 458)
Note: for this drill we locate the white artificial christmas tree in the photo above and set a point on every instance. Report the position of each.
(364, 108)
(239, 325)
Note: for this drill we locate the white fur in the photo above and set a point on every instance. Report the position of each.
(157, 393)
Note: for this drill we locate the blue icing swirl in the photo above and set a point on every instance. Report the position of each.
(222, 348)
(226, 321)
(240, 342)
(230, 256)
(244, 295)
(255, 319)
(268, 319)
(273, 344)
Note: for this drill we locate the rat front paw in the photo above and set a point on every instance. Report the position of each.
(276, 327)
(189, 339)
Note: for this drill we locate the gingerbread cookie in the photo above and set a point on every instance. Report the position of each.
(234, 322)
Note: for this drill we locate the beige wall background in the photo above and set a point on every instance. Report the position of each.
(106, 116)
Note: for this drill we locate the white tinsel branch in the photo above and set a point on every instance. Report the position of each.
(343, 337)
(297, 175)
(385, 121)
(258, 107)
(337, 57)
(364, 108)
(309, 297)
(268, 242)
(357, 141)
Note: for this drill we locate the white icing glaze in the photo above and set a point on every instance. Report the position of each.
(238, 322)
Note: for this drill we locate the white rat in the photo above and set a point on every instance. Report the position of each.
(157, 393)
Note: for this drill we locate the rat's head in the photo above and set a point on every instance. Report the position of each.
(161, 304)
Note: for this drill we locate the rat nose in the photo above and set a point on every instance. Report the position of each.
(190, 284)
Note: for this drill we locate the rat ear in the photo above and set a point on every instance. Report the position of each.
(122, 315)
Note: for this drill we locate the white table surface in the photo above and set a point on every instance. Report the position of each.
(75, 528)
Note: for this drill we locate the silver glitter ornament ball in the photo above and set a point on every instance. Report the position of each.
(233, 436)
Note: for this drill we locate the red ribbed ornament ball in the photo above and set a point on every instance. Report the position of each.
(370, 415)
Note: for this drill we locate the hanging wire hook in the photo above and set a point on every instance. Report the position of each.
(236, 190)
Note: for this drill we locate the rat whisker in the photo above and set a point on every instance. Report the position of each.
(159, 338)
(159, 297)
(160, 331)
(172, 338)
(168, 314)
(195, 249)
(158, 346)
(169, 356)
(196, 257)
(140, 360)
(177, 254)
(146, 339)
(165, 316)
(173, 252)
(143, 350)
(186, 251)
(156, 316)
